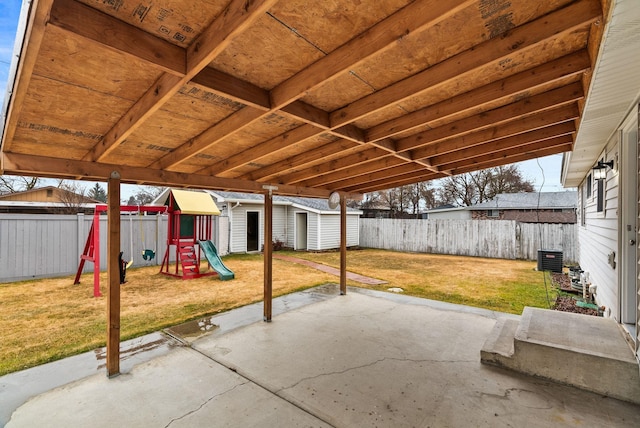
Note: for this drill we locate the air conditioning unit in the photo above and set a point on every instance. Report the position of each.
(550, 260)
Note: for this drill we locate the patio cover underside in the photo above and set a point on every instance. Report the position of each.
(312, 97)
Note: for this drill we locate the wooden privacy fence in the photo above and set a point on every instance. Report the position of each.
(503, 239)
(46, 245)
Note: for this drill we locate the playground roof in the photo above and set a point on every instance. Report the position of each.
(193, 202)
(309, 96)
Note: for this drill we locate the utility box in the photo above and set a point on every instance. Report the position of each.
(550, 260)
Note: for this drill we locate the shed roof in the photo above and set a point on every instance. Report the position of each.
(312, 204)
(310, 96)
(531, 200)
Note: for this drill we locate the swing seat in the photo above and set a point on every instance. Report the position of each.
(148, 254)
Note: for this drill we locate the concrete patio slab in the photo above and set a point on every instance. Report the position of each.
(364, 359)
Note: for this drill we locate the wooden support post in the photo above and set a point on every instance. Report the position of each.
(113, 270)
(268, 250)
(343, 244)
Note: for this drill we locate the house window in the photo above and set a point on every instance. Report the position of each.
(49, 193)
(600, 200)
(493, 213)
(588, 186)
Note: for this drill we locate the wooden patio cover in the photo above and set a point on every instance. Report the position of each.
(309, 96)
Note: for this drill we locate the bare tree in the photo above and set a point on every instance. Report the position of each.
(481, 186)
(145, 195)
(72, 196)
(14, 184)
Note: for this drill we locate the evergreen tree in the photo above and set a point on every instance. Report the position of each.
(98, 193)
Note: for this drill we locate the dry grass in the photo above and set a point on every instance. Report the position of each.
(44, 320)
(495, 284)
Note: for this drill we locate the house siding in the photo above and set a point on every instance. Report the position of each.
(239, 225)
(330, 237)
(598, 239)
(314, 231)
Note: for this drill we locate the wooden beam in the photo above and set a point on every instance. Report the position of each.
(408, 178)
(513, 158)
(268, 255)
(416, 16)
(104, 30)
(208, 138)
(34, 34)
(21, 164)
(566, 128)
(540, 120)
(299, 161)
(517, 84)
(150, 102)
(415, 177)
(343, 244)
(379, 174)
(231, 87)
(236, 17)
(307, 113)
(258, 151)
(516, 111)
(510, 152)
(339, 164)
(378, 165)
(113, 270)
(575, 16)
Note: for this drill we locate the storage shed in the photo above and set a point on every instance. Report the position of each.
(299, 223)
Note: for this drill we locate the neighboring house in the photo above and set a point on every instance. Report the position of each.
(447, 212)
(608, 207)
(376, 210)
(544, 207)
(299, 223)
(47, 200)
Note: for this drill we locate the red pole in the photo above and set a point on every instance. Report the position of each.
(96, 254)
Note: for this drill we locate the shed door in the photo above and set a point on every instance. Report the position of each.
(301, 231)
(253, 233)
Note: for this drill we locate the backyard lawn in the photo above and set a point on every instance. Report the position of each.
(44, 320)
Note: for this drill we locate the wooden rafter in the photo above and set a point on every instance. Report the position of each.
(14, 163)
(537, 69)
(237, 16)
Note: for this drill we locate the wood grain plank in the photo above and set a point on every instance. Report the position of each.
(536, 121)
(106, 31)
(519, 110)
(34, 35)
(577, 15)
(519, 83)
(413, 17)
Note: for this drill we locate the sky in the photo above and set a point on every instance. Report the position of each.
(544, 172)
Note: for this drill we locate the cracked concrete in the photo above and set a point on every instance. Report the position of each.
(364, 359)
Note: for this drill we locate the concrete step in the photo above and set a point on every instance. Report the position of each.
(587, 352)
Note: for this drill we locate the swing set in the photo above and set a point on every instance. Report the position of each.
(91, 251)
(188, 239)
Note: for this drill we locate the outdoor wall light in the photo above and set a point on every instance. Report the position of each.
(600, 170)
